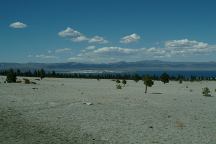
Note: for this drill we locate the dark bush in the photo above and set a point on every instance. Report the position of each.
(206, 91)
(26, 81)
(11, 76)
(118, 81)
(124, 82)
(118, 86)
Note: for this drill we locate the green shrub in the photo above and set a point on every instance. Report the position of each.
(124, 82)
(11, 76)
(118, 86)
(206, 91)
(118, 81)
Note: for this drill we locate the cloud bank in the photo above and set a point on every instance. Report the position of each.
(172, 49)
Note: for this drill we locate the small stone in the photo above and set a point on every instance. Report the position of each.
(151, 127)
(88, 103)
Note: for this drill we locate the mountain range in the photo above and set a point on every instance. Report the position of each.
(147, 65)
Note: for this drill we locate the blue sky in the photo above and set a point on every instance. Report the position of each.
(103, 31)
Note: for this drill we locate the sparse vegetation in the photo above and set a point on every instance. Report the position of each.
(124, 82)
(118, 86)
(26, 81)
(164, 78)
(11, 76)
(118, 81)
(41, 74)
(148, 82)
(206, 91)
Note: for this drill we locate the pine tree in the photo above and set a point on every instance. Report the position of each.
(164, 78)
(148, 82)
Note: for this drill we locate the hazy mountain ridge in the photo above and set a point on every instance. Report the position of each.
(147, 65)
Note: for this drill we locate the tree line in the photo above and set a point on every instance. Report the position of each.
(42, 73)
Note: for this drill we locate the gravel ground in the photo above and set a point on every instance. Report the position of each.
(79, 111)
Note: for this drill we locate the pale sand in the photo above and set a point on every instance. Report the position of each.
(59, 112)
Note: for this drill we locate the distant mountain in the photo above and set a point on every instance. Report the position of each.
(148, 65)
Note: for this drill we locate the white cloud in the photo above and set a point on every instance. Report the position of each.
(77, 36)
(18, 25)
(130, 38)
(46, 56)
(62, 50)
(98, 39)
(80, 39)
(185, 43)
(188, 47)
(70, 33)
(174, 49)
(90, 47)
(115, 51)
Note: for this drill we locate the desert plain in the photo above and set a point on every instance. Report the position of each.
(88, 111)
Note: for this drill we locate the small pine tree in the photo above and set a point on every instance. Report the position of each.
(11, 76)
(206, 91)
(41, 73)
(164, 78)
(148, 82)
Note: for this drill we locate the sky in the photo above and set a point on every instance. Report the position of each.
(106, 31)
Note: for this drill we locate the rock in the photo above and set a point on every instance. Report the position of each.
(88, 103)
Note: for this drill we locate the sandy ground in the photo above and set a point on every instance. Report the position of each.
(53, 112)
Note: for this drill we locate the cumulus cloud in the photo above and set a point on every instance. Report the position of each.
(72, 34)
(98, 39)
(62, 50)
(77, 36)
(130, 38)
(18, 25)
(90, 47)
(186, 47)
